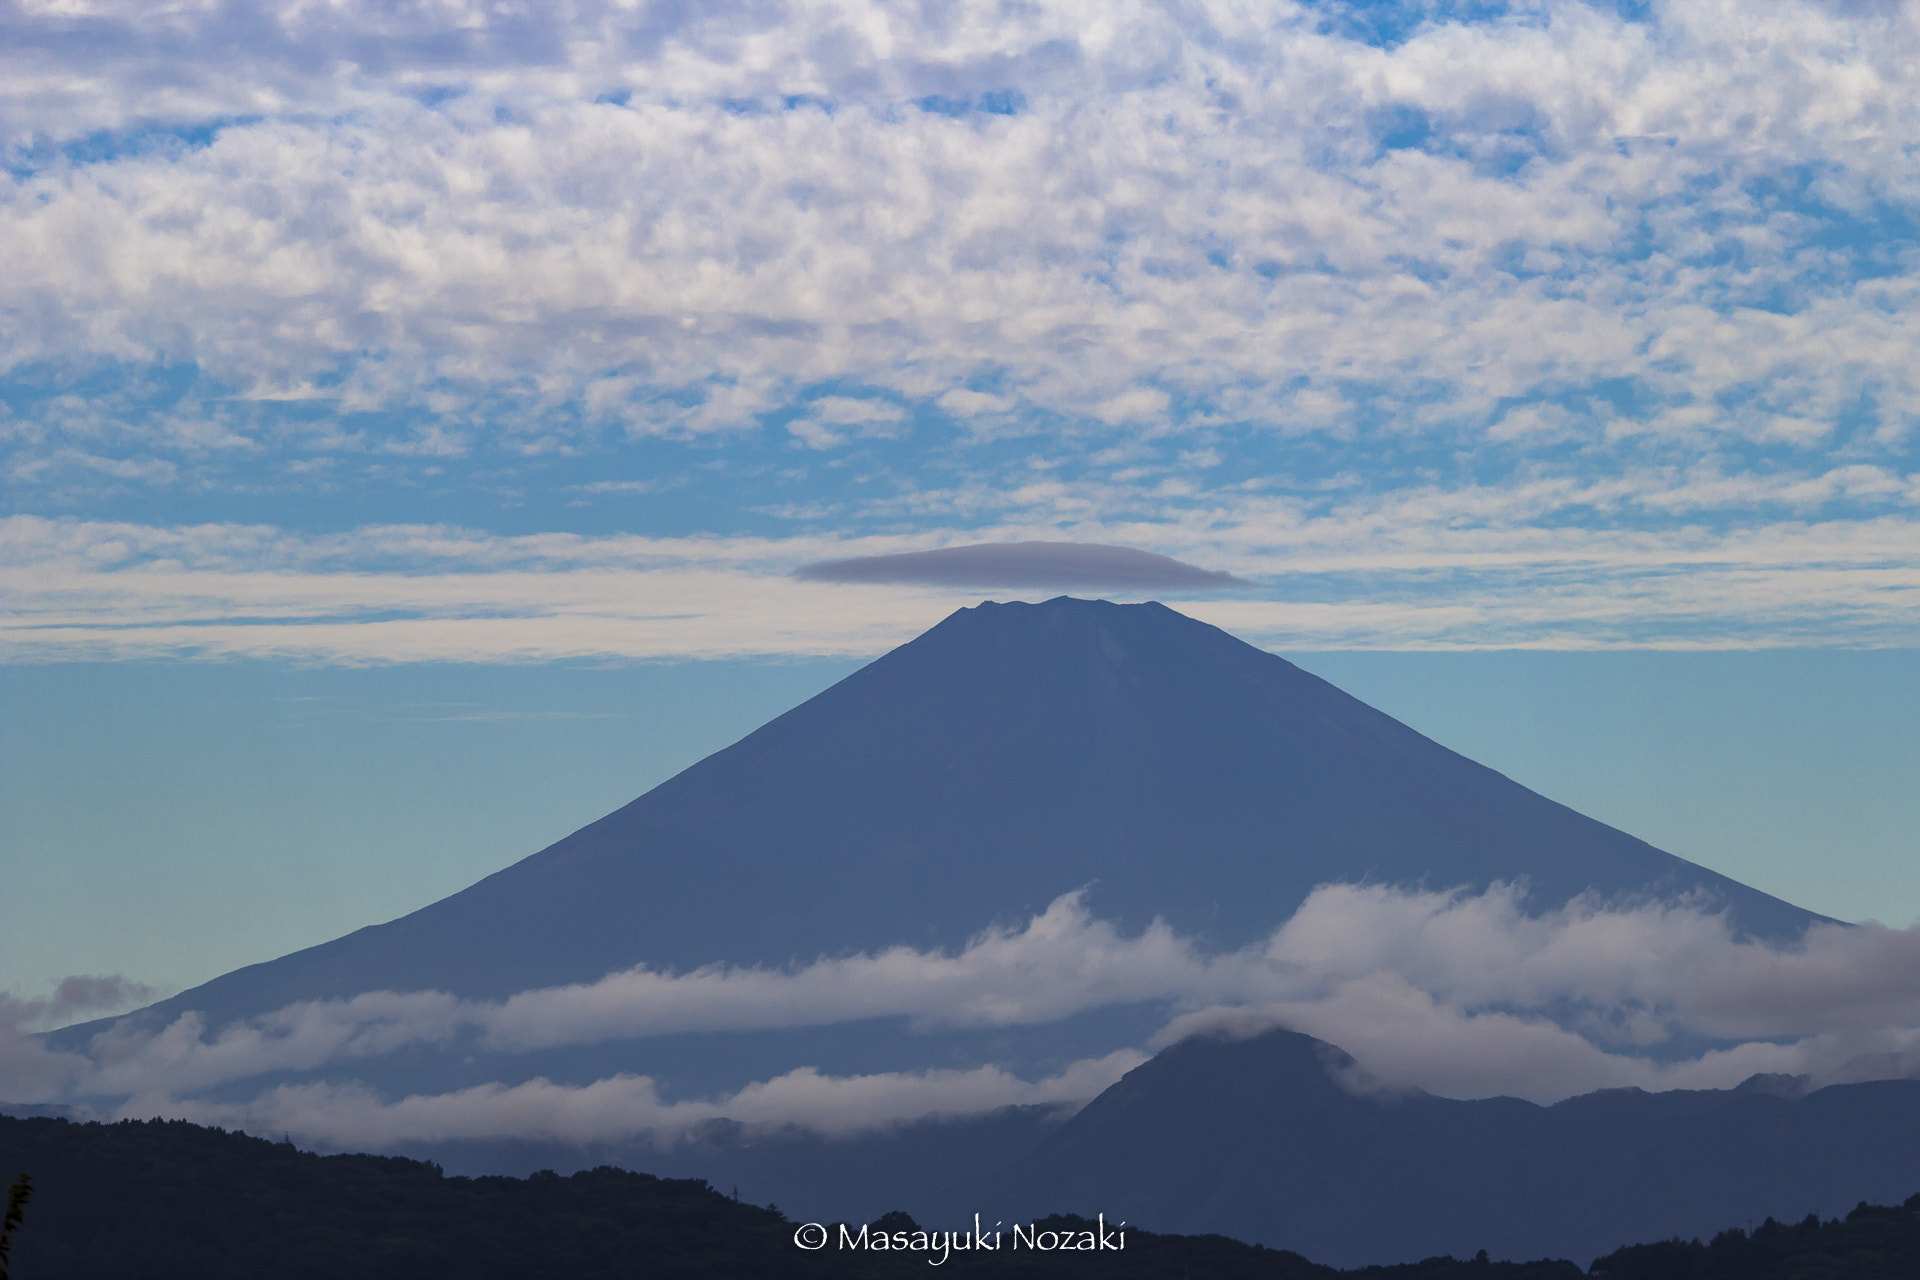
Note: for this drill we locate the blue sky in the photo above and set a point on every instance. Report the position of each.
(483, 338)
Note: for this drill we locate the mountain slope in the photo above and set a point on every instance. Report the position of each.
(1012, 753)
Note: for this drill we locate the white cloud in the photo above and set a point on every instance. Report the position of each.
(1463, 994)
(1137, 405)
(847, 411)
(1470, 996)
(1195, 196)
(963, 403)
(633, 488)
(28, 1069)
(1061, 962)
(621, 1108)
(832, 421)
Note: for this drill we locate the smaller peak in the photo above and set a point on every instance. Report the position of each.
(1019, 615)
(1063, 604)
(1147, 626)
(1023, 621)
(1774, 1084)
(1071, 606)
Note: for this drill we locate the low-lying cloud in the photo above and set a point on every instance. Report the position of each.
(89, 994)
(1464, 994)
(625, 1107)
(1061, 962)
(28, 1070)
(1025, 564)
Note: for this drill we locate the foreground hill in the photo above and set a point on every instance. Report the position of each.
(1013, 753)
(170, 1200)
(1277, 1139)
(1266, 1139)
(174, 1201)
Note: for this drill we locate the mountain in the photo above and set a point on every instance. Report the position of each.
(1277, 1139)
(1013, 753)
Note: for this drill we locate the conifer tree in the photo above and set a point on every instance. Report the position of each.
(17, 1196)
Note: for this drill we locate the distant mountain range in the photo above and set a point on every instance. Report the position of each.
(1277, 1139)
(1013, 753)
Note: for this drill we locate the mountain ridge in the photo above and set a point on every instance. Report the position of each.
(1266, 1138)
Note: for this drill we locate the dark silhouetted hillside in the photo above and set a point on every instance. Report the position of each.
(1259, 1139)
(1873, 1242)
(174, 1201)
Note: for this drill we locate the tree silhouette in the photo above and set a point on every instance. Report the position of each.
(17, 1196)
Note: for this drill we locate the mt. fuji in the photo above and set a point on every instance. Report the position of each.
(1012, 754)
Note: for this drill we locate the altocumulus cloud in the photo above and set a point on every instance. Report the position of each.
(1564, 285)
(743, 204)
(1463, 994)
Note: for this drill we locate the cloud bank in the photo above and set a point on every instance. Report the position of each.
(623, 1108)
(1467, 995)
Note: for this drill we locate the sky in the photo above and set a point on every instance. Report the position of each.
(349, 333)
(415, 417)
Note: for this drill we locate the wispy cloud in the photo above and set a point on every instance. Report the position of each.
(1465, 570)
(74, 996)
(29, 1071)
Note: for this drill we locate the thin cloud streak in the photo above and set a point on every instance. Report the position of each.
(1366, 578)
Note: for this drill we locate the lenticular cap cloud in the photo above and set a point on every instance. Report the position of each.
(1025, 564)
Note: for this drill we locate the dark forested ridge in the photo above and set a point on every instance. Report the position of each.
(1263, 1138)
(155, 1200)
(1874, 1242)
